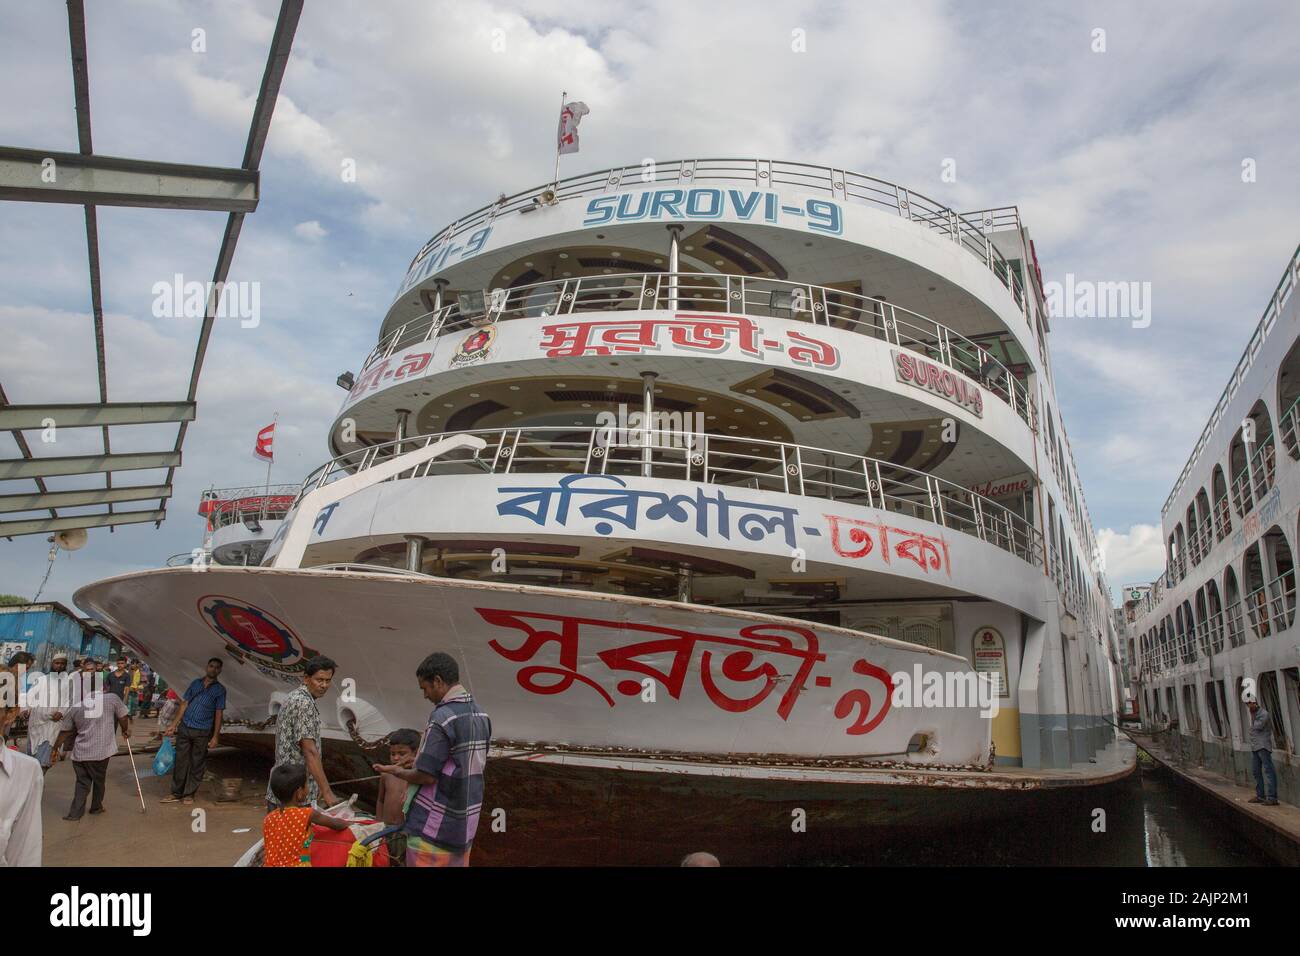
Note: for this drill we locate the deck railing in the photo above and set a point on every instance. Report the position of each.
(739, 295)
(1281, 293)
(964, 229)
(1269, 608)
(261, 502)
(716, 460)
(1289, 426)
(1253, 481)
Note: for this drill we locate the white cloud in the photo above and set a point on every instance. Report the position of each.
(1133, 556)
(311, 230)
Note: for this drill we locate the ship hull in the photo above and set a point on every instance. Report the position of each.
(623, 728)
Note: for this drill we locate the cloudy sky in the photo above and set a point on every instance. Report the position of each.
(1126, 165)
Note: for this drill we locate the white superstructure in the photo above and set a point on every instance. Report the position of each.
(691, 463)
(1219, 623)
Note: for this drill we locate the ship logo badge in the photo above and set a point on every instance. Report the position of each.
(253, 634)
(475, 346)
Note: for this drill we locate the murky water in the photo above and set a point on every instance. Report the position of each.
(1152, 819)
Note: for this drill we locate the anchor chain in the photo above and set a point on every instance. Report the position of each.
(361, 741)
(251, 725)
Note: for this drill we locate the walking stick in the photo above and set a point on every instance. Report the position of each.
(131, 753)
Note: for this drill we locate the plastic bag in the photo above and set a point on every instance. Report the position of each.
(165, 758)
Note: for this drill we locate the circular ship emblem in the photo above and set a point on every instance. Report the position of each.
(474, 346)
(255, 635)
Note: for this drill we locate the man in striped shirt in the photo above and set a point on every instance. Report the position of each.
(93, 721)
(443, 816)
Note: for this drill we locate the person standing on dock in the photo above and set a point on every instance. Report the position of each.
(44, 717)
(118, 680)
(21, 788)
(197, 728)
(93, 722)
(297, 732)
(442, 818)
(1261, 746)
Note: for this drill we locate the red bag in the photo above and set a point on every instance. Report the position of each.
(331, 847)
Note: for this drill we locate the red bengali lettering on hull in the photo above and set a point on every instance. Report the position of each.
(739, 660)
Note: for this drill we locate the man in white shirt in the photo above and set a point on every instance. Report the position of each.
(44, 715)
(21, 787)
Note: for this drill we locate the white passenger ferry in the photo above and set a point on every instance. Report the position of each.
(1219, 623)
(694, 468)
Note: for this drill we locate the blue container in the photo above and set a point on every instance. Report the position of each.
(45, 630)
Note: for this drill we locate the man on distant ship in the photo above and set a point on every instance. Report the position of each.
(1261, 746)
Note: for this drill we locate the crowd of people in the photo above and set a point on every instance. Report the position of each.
(430, 790)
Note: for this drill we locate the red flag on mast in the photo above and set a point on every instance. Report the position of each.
(263, 450)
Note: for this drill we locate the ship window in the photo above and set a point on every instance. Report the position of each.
(1291, 686)
(1191, 716)
(1215, 709)
(1269, 697)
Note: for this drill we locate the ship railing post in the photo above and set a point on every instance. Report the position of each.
(785, 470)
(936, 501)
(591, 443)
(514, 448)
(866, 478)
(798, 464)
(979, 517)
(880, 485)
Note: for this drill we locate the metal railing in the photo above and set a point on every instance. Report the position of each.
(255, 501)
(1286, 285)
(1269, 608)
(1289, 426)
(1253, 481)
(1222, 518)
(835, 184)
(715, 460)
(739, 295)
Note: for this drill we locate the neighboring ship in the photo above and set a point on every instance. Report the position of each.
(1220, 621)
(239, 524)
(856, 469)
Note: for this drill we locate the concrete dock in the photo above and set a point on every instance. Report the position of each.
(165, 834)
(1276, 830)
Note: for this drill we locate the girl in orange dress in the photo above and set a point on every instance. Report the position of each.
(286, 831)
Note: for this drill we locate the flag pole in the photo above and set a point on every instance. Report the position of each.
(270, 461)
(559, 130)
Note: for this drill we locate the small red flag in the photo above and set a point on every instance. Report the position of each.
(265, 439)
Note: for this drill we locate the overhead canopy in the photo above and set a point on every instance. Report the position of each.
(90, 180)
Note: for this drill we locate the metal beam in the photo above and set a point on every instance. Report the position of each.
(11, 468)
(13, 417)
(24, 448)
(35, 500)
(27, 175)
(10, 529)
(81, 97)
(276, 61)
